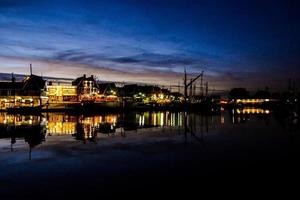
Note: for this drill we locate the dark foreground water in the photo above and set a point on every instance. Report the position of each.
(57, 155)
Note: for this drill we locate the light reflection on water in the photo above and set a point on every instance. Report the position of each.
(35, 129)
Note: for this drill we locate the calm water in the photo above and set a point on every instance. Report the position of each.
(55, 155)
(30, 131)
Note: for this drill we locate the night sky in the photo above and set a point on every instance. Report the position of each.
(253, 43)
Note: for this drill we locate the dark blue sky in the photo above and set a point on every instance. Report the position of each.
(238, 43)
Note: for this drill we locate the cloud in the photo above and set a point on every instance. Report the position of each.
(220, 81)
(150, 42)
(126, 60)
(148, 60)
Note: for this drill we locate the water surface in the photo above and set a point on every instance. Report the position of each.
(52, 151)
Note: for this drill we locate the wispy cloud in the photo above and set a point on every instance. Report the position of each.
(151, 41)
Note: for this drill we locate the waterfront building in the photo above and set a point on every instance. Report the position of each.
(82, 89)
(61, 93)
(26, 93)
(108, 92)
(145, 94)
(87, 88)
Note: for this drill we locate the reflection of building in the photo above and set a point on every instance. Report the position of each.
(240, 115)
(88, 127)
(85, 132)
(23, 93)
(252, 111)
(85, 128)
(20, 126)
(19, 120)
(150, 119)
(60, 124)
(82, 127)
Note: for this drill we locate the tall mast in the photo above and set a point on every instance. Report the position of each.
(201, 83)
(185, 84)
(206, 89)
(191, 89)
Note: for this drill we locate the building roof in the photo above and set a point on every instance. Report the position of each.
(11, 85)
(30, 81)
(34, 81)
(78, 80)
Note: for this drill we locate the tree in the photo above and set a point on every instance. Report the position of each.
(238, 93)
(262, 94)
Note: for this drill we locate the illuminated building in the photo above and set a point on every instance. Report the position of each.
(176, 97)
(82, 89)
(253, 101)
(61, 93)
(87, 88)
(146, 94)
(25, 93)
(108, 92)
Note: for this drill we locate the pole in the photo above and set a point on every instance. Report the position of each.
(191, 90)
(201, 85)
(185, 85)
(206, 89)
